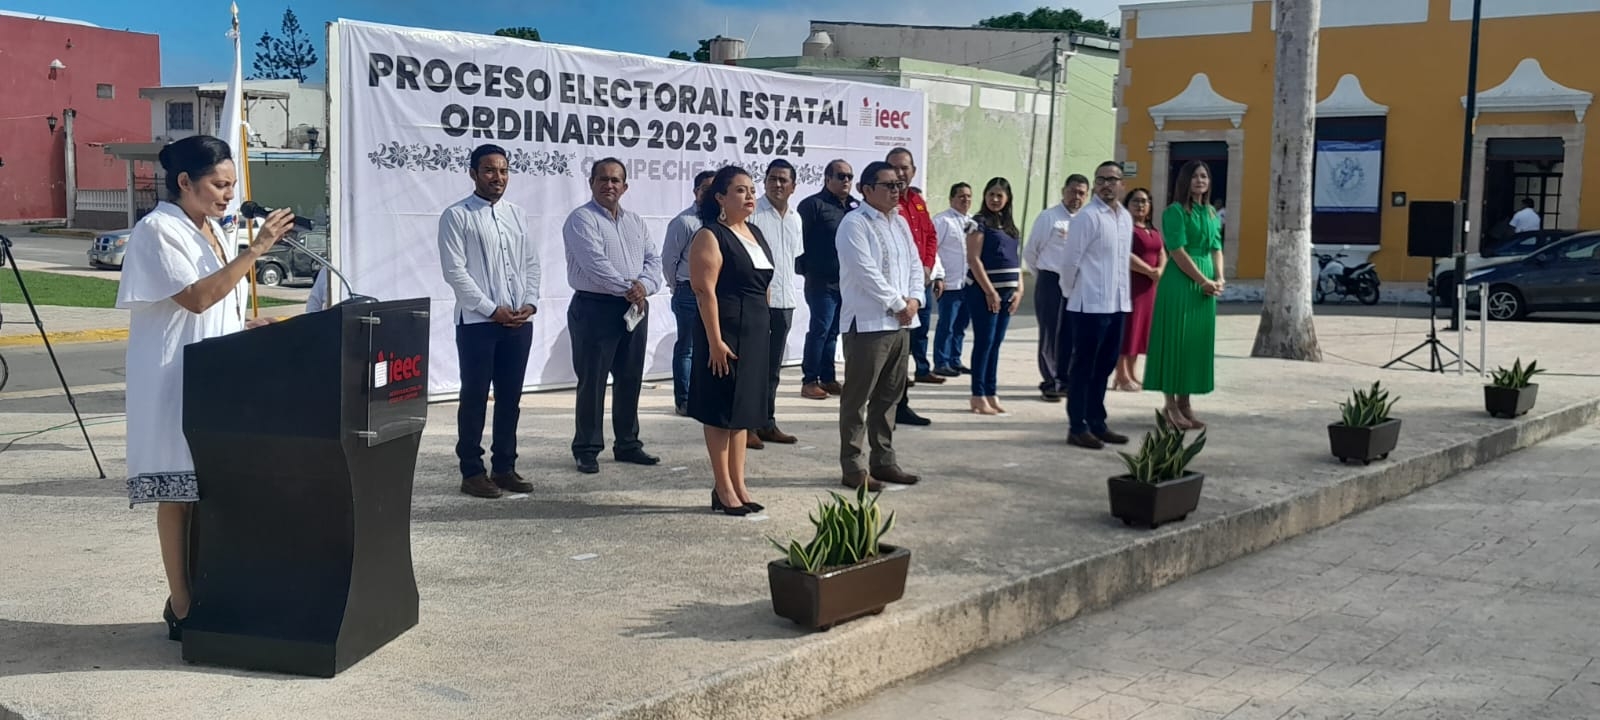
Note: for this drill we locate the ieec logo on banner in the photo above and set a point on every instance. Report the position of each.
(881, 117)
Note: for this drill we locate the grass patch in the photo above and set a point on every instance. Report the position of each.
(73, 290)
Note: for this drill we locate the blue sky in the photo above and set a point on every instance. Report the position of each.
(194, 48)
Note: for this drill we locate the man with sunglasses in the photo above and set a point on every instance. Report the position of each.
(1096, 283)
(818, 263)
(881, 283)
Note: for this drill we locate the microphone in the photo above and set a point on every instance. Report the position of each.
(252, 209)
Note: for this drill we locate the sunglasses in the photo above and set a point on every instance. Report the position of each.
(843, 177)
(895, 186)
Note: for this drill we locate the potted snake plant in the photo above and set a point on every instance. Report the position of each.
(1512, 392)
(1365, 431)
(844, 572)
(1158, 486)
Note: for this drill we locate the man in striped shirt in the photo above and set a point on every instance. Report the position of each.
(1095, 281)
(613, 269)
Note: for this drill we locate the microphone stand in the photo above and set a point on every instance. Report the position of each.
(354, 298)
(5, 257)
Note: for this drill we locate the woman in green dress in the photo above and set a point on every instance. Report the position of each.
(1183, 333)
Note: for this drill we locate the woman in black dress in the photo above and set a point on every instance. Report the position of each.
(730, 267)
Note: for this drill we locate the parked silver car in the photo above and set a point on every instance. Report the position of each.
(108, 248)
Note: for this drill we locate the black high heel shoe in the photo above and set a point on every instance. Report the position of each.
(718, 506)
(174, 624)
(754, 506)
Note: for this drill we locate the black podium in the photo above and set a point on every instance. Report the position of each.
(304, 435)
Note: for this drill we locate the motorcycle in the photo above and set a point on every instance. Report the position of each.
(1334, 277)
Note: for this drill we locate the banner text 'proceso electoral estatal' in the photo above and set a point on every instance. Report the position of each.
(407, 73)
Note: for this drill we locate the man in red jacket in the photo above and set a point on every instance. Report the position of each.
(915, 210)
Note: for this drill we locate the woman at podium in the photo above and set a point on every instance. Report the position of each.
(182, 283)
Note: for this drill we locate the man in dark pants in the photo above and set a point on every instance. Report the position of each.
(613, 269)
(1096, 283)
(685, 309)
(882, 283)
(780, 224)
(1046, 239)
(914, 209)
(493, 267)
(819, 264)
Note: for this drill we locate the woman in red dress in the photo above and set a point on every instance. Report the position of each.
(1148, 261)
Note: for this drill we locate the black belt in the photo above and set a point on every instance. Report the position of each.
(585, 294)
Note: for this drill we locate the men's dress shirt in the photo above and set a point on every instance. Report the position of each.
(953, 229)
(878, 269)
(605, 254)
(488, 258)
(1046, 239)
(820, 215)
(675, 248)
(1526, 219)
(785, 237)
(1094, 269)
(915, 210)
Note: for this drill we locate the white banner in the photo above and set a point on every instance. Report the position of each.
(409, 105)
(1349, 176)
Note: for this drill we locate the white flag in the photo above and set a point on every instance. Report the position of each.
(231, 126)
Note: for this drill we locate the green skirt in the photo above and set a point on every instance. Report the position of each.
(1183, 334)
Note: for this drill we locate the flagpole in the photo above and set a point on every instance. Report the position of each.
(243, 153)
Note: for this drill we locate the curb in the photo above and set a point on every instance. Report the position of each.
(830, 674)
(65, 337)
(68, 232)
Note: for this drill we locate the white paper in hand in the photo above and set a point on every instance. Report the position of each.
(632, 317)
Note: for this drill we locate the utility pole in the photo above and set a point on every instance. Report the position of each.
(72, 167)
(1050, 133)
(1463, 215)
(1287, 329)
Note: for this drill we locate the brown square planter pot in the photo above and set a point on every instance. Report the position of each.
(1364, 443)
(1137, 503)
(1510, 402)
(821, 600)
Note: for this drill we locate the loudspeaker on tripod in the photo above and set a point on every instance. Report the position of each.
(1431, 230)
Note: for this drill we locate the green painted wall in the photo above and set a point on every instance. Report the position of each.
(971, 143)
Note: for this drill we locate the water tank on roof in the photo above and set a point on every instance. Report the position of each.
(726, 50)
(820, 44)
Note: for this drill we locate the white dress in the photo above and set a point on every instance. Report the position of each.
(166, 253)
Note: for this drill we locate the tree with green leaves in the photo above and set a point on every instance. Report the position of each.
(701, 54)
(523, 33)
(285, 57)
(1045, 18)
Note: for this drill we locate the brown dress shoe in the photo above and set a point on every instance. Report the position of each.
(833, 388)
(480, 486)
(893, 474)
(1112, 438)
(854, 480)
(511, 482)
(813, 391)
(930, 379)
(1085, 440)
(773, 434)
(753, 442)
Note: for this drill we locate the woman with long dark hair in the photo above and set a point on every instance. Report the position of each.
(994, 290)
(183, 281)
(1149, 260)
(730, 268)
(1183, 333)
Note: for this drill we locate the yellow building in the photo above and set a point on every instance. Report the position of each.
(1197, 82)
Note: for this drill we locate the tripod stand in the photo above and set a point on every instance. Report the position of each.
(1436, 348)
(7, 257)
